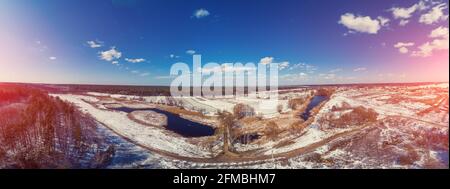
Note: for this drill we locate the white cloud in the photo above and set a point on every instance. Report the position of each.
(436, 14)
(404, 13)
(95, 44)
(439, 32)
(52, 58)
(383, 21)
(135, 71)
(403, 22)
(303, 67)
(403, 47)
(440, 42)
(110, 55)
(363, 24)
(266, 60)
(359, 69)
(403, 50)
(283, 65)
(174, 56)
(136, 60)
(115, 62)
(200, 13)
(191, 52)
(144, 74)
(427, 48)
(401, 44)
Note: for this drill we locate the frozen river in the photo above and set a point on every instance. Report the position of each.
(177, 124)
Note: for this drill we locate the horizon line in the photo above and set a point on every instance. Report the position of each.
(290, 85)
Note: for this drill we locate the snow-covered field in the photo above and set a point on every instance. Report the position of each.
(208, 106)
(409, 132)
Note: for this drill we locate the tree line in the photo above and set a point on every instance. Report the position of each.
(40, 131)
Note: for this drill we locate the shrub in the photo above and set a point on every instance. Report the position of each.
(272, 129)
(297, 127)
(357, 116)
(242, 110)
(294, 103)
(409, 158)
(344, 106)
(324, 92)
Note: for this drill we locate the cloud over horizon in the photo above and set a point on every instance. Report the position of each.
(266, 60)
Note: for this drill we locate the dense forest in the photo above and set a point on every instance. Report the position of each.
(40, 131)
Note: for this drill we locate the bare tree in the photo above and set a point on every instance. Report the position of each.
(280, 108)
(272, 129)
(242, 110)
(227, 120)
(294, 103)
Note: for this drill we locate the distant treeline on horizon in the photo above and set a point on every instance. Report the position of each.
(165, 90)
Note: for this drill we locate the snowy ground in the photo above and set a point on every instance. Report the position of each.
(409, 117)
(150, 137)
(150, 118)
(209, 106)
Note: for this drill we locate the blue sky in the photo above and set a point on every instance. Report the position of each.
(319, 41)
